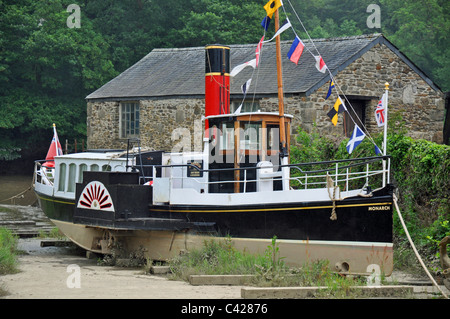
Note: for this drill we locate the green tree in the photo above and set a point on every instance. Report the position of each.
(215, 21)
(46, 70)
(421, 28)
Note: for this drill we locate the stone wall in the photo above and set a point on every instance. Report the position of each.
(103, 126)
(421, 107)
(165, 122)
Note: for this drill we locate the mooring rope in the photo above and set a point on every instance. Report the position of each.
(16, 196)
(415, 250)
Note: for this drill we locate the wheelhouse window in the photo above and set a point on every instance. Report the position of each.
(129, 119)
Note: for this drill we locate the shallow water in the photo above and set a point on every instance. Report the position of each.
(12, 185)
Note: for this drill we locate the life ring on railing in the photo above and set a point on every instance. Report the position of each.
(149, 183)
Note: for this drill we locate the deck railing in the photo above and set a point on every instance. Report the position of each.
(373, 172)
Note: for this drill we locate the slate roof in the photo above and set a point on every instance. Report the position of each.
(181, 72)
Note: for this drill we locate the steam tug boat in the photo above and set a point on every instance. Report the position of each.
(241, 186)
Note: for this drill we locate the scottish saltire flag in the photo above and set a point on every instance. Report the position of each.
(320, 64)
(377, 150)
(380, 112)
(357, 137)
(296, 50)
(330, 89)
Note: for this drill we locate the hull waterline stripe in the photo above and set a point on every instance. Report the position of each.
(263, 209)
(54, 200)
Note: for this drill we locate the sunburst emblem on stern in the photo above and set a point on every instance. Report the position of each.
(95, 196)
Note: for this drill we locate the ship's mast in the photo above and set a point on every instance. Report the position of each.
(283, 151)
(280, 88)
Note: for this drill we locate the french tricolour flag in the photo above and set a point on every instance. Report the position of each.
(296, 50)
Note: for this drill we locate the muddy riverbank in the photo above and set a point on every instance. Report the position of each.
(50, 272)
(66, 273)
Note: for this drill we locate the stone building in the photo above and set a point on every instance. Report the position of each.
(162, 95)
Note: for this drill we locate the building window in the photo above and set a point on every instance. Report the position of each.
(247, 106)
(129, 120)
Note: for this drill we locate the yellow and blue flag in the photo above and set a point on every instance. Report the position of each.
(329, 89)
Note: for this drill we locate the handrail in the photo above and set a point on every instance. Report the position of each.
(369, 161)
(306, 178)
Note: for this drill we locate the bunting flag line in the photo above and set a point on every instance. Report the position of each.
(265, 22)
(272, 6)
(357, 137)
(380, 112)
(258, 50)
(338, 108)
(296, 50)
(245, 86)
(329, 89)
(320, 65)
(238, 110)
(283, 28)
(240, 67)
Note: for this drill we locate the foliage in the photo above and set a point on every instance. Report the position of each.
(216, 257)
(420, 170)
(312, 147)
(219, 256)
(8, 247)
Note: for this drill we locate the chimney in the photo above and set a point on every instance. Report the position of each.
(217, 80)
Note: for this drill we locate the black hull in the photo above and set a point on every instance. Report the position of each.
(359, 219)
(56, 208)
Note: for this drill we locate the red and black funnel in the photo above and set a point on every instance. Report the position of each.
(217, 80)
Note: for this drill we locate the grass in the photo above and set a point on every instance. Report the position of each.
(52, 233)
(8, 252)
(8, 255)
(220, 257)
